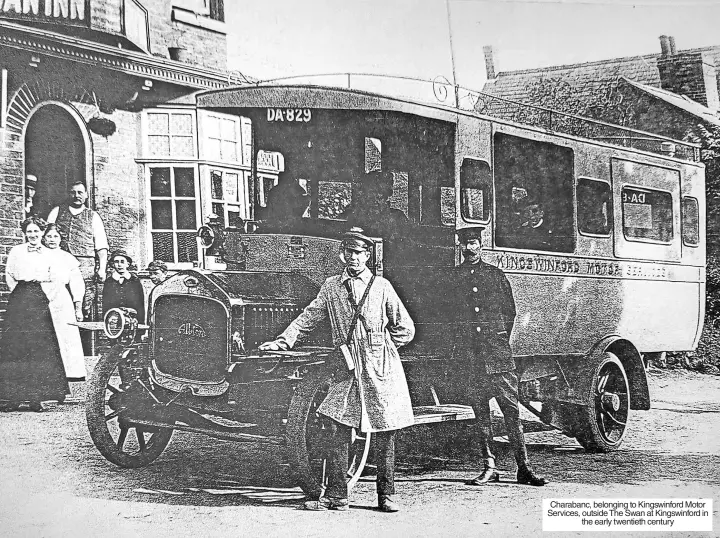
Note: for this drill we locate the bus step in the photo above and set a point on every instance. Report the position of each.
(428, 414)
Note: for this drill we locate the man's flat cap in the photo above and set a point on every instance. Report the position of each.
(468, 234)
(355, 239)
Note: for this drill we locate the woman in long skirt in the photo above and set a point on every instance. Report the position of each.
(65, 293)
(31, 368)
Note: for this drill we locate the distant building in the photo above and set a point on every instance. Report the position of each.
(667, 93)
(102, 91)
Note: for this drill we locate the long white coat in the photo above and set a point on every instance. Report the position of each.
(389, 326)
(65, 277)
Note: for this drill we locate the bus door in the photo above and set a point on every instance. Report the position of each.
(660, 308)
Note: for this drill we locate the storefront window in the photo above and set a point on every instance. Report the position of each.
(173, 213)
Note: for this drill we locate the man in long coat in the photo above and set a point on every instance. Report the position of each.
(375, 397)
(485, 315)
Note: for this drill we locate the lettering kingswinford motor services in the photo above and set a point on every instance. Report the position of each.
(56, 9)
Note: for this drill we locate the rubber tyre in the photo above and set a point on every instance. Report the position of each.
(600, 429)
(106, 441)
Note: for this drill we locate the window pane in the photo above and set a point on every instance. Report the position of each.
(333, 199)
(181, 124)
(159, 182)
(182, 146)
(231, 187)
(163, 246)
(212, 126)
(475, 189)
(212, 148)
(647, 214)
(447, 206)
(216, 184)
(399, 197)
(690, 222)
(227, 127)
(185, 182)
(219, 210)
(229, 151)
(234, 218)
(158, 123)
(594, 199)
(159, 146)
(535, 185)
(185, 210)
(161, 214)
(373, 155)
(187, 247)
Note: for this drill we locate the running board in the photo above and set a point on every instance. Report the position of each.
(427, 414)
(219, 433)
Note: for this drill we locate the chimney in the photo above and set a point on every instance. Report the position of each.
(665, 45)
(691, 74)
(489, 62)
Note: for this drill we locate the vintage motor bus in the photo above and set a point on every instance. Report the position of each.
(603, 244)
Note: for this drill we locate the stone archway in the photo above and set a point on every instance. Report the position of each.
(54, 102)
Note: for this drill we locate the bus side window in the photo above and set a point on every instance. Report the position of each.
(534, 202)
(647, 215)
(475, 190)
(690, 222)
(594, 207)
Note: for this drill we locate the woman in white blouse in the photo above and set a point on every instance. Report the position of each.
(31, 369)
(65, 308)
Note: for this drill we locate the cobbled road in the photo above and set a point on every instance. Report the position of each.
(54, 482)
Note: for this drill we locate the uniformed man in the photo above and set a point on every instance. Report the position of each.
(374, 397)
(486, 314)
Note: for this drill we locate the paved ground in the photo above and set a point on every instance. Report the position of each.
(55, 483)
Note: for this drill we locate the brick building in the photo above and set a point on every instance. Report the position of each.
(102, 91)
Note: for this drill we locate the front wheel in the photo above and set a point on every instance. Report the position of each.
(307, 435)
(107, 411)
(603, 422)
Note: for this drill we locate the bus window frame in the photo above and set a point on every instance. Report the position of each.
(682, 220)
(643, 239)
(611, 229)
(490, 197)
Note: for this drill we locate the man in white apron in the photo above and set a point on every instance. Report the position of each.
(380, 401)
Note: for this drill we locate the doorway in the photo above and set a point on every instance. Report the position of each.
(55, 152)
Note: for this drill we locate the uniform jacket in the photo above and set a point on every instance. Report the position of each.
(484, 315)
(389, 327)
(128, 294)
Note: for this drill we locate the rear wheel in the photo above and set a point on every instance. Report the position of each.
(307, 435)
(107, 411)
(603, 422)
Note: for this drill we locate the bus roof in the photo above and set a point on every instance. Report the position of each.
(497, 109)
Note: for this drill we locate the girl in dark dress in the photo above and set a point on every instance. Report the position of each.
(31, 368)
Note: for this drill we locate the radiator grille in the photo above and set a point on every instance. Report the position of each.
(190, 337)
